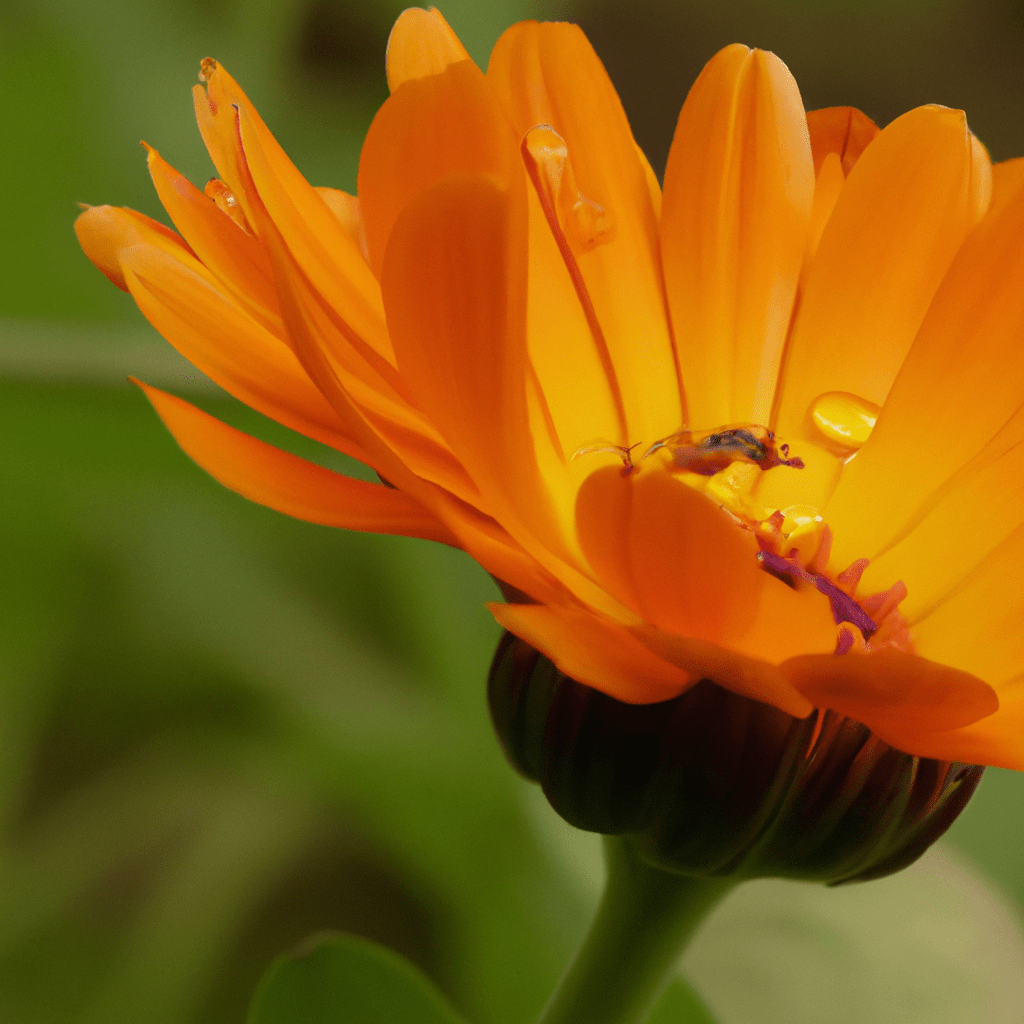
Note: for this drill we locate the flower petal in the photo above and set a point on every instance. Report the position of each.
(435, 126)
(421, 43)
(898, 696)
(844, 131)
(455, 286)
(968, 518)
(104, 232)
(827, 186)
(183, 301)
(327, 253)
(961, 383)
(696, 572)
(994, 740)
(682, 564)
(349, 213)
(749, 676)
(478, 534)
(1007, 181)
(282, 481)
(594, 651)
(233, 256)
(549, 74)
(906, 208)
(737, 202)
(977, 628)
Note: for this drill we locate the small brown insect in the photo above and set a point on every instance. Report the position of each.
(709, 453)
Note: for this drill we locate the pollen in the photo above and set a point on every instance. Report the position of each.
(844, 419)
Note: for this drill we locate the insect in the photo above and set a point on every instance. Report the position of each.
(710, 452)
(624, 453)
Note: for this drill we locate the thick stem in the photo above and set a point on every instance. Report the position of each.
(645, 920)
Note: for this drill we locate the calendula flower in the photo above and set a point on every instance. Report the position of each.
(763, 425)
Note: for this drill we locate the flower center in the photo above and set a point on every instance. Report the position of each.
(794, 542)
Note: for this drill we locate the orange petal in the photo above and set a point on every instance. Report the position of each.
(906, 208)
(421, 43)
(977, 628)
(844, 131)
(653, 185)
(231, 254)
(282, 481)
(548, 74)
(670, 554)
(594, 651)
(455, 280)
(977, 509)
(435, 126)
(1007, 181)
(479, 535)
(334, 363)
(455, 283)
(749, 676)
(696, 571)
(183, 302)
(995, 740)
(327, 253)
(961, 383)
(901, 697)
(350, 215)
(604, 513)
(737, 202)
(104, 232)
(827, 186)
(570, 372)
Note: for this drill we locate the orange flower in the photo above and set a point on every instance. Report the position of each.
(572, 374)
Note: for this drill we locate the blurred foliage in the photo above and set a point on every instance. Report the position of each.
(345, 978)
(220, 730)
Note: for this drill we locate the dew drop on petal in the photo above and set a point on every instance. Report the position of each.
(585, 223)
(844, 419)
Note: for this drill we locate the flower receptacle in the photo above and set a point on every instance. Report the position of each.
(714, 784)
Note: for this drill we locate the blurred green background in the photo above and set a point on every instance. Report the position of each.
(221, 730)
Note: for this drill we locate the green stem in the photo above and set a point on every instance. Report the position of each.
(645, 920)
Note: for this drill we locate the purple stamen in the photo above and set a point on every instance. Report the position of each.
(844, 608)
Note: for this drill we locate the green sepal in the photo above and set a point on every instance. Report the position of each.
(344, 979)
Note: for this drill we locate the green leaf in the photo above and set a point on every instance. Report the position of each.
(679, 1004)
(348, 980)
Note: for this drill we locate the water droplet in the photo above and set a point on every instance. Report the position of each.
(585, 223)
(845, 419)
